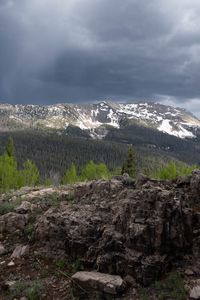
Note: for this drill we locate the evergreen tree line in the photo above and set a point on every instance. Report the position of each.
(13, 177)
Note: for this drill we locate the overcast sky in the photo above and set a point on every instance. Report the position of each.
(90, 50)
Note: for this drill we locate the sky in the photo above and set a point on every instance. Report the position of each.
(90, 50)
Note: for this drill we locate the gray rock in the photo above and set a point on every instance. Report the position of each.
(11, 264)
(24, 208)
(11, 222)
(106, 283)
(2, 249)
(20, 251)
(189, 272)
(195, 293)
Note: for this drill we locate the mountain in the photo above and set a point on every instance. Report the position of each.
(97, 119)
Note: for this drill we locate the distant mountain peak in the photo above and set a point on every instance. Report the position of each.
(171, 120)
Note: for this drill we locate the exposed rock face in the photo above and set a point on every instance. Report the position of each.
(11, 222)
(138, 229)
(23, 208)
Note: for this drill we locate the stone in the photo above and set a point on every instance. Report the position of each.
(2, 249)
(23, 208)
(20, 251)
(110, 284)
(195, 293)
(189, 272)
(11, 222)
(11, 264)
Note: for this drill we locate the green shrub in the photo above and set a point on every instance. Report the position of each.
(171, 287)
(172, 170)
(6, 207)
(34, 291)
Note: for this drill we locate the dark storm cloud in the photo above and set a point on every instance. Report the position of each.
(86, 50)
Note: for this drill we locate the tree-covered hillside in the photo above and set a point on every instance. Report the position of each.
(56, 153)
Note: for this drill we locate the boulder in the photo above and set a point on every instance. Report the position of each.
(11, 222)
(24, 208)
(88, 281)
(195, 293)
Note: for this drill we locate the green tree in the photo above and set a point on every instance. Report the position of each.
(129, 165)
(10, 147)
(172, 170)
(102, 171)
(70, 175)
(8, 172)
(30, 174)
(89, 172)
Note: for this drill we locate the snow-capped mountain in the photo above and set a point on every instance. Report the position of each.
(96, 117)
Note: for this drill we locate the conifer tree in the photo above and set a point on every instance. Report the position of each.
(10, 147)
(129, 166)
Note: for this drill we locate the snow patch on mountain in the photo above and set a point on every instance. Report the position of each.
(181, 132)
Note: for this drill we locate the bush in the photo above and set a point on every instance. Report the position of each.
(6, 207)
(172, 170)
(171, 287)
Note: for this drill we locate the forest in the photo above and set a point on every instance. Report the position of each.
(14, 176)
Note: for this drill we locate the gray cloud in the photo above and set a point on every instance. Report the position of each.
(75, 50)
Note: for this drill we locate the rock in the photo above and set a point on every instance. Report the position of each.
(2, 249)
(195, 293)
(23, 298)
(141, 180)
(7, 285)
(10, 284)
(20, 251)
(24, 208)
(11, 264)
(189, 272)
(10, 222)
(127, 180)
(106, 283)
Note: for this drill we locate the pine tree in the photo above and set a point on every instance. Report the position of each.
(129, 166)
(10, 147)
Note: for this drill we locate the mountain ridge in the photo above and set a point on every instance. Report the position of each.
(93, 116)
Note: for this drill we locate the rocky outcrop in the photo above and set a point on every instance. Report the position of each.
(138, 229)
(135, 230)
(11, 222)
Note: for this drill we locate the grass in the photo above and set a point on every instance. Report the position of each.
(32, 290)
(8, 205)
(61, 264)
(171, 287)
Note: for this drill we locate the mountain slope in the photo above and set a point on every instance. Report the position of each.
(97, 118)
